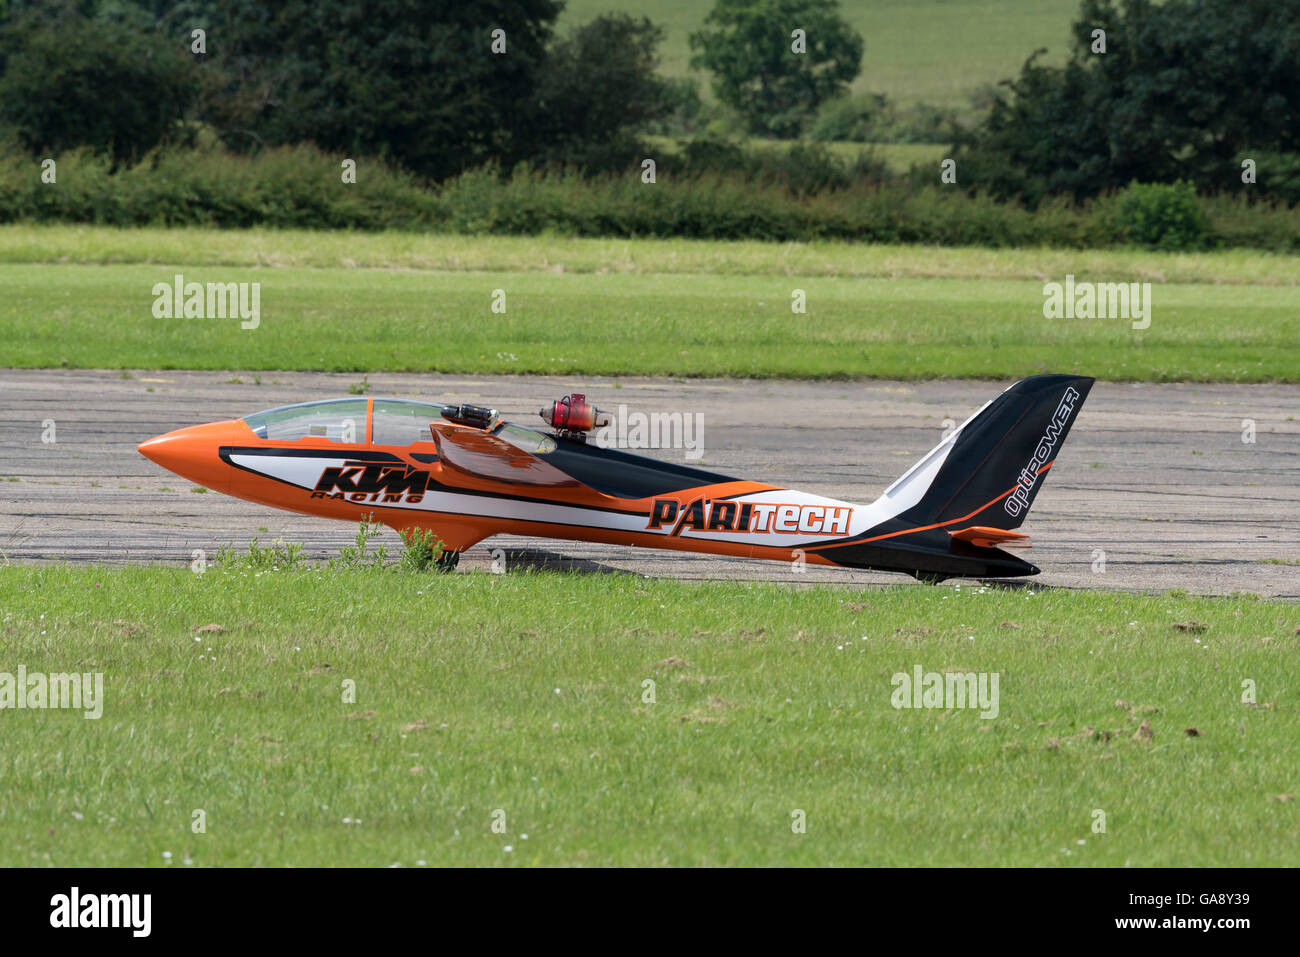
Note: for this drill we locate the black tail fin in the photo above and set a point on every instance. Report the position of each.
(997, 461)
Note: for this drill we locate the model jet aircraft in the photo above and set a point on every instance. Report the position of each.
(464, 474)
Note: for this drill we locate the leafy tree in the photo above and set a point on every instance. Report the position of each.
(417, 81)
(599, 90)
(685, 113)
(1183, 89)
(749, 46)
(77, 76)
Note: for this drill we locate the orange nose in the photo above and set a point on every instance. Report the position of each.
(195, 453)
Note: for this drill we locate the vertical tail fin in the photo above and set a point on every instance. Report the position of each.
(989, 471)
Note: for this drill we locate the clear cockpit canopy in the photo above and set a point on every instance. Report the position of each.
(402, 422)
(336, 420)
(388, 422)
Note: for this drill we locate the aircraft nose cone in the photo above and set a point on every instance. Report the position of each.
(165, 450)
(152, 449)
(193, 453)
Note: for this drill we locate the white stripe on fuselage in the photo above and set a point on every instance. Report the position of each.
(305, 472)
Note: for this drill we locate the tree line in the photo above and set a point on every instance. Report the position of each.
(1154, 92)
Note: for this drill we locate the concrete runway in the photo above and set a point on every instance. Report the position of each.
(1157, 477)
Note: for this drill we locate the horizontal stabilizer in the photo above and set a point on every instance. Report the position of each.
(985, 537)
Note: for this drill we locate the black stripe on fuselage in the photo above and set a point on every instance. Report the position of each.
(624, 475)
(227, 451)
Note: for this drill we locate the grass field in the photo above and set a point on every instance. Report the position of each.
(525, 693)
(935, 51)
(899, 157)
(635, 308)
(98, 245)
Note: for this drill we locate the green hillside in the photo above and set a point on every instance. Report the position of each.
(936, 51)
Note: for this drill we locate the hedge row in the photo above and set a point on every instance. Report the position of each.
(301, 187)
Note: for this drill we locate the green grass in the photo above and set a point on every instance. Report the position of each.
(899, 157)
(936, 51)
(524, 693)
(693, 324)
(274, 248)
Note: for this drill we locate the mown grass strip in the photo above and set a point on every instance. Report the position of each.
(357, 320)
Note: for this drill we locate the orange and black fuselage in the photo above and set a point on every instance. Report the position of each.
(947, 516)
